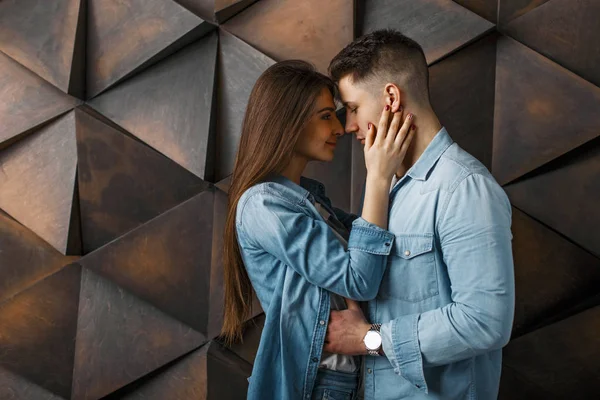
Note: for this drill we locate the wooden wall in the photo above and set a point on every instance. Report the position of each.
(119, 123)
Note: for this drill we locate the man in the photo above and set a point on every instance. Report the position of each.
(446, 304)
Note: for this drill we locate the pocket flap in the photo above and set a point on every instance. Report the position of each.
(408, 246)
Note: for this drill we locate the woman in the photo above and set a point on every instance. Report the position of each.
(277, 240)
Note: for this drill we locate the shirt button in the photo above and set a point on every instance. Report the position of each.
(407, 253)
(387, 244)
(322, 322)
(315, 359)
(418, 386)
(369, 371)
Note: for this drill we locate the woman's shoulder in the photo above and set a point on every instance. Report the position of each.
(264, 195)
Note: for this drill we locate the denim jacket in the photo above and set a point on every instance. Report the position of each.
(447, 297)
(294, 260)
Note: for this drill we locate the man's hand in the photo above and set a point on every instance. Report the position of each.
(346, 331)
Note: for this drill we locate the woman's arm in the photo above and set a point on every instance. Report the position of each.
(268, 222)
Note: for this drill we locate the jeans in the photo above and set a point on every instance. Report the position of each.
(334, 385)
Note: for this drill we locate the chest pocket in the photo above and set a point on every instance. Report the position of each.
(411, 273)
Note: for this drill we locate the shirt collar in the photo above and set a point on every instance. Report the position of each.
(440, 143)
(312, 186)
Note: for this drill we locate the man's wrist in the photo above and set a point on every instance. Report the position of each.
(373, 341)
(363, 349)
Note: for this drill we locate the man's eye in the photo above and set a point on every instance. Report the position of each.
(353, 110)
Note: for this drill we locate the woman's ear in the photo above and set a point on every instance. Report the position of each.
(392, 96)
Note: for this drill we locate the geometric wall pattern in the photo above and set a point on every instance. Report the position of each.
(119, 125)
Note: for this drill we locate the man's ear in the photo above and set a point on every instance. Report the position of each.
(393, 97)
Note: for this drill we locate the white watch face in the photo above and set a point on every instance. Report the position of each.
(372, 340)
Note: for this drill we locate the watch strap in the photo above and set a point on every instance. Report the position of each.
(376, 352)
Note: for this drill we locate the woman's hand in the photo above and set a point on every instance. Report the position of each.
(385, 147)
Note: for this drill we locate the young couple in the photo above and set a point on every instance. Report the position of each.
(430, 256)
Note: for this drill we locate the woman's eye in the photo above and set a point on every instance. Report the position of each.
(326, 117)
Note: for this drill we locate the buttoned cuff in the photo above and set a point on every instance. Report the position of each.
(405, 354)
(370, 238)
(386, 342)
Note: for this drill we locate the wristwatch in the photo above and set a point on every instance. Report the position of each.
(372, 340)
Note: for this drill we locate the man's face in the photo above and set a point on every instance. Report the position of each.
(362, 107)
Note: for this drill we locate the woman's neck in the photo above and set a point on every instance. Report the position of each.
(295, 169)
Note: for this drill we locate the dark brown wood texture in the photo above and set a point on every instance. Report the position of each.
(169, 106)
(123, 183)
(38, 328)
(25, 258)
(112, 212)
(215, 10)
(126, 36)
(542, 111)
(559, 195)
(564, 31)
(38, 180)
(488, 9)
(293, 29)
(462, 83)
(41, 35)
(26, 101)
(121, 338)
(511, 9)
(439, 26)
(562, 358)
(240, 65)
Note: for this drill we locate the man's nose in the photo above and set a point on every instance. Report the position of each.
(351, 126)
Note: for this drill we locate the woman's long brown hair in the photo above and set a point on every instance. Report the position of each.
(280, 105)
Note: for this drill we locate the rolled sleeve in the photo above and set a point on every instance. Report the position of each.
(370, 238)
(401, 346)
(386, 342)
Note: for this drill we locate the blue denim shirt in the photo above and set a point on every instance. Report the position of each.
(294, 259)
(447, 297)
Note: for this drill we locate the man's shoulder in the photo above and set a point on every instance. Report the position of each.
(454, 166)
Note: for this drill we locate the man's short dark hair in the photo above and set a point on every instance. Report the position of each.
(384, 56)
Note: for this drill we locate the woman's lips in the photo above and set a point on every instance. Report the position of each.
(331, 144)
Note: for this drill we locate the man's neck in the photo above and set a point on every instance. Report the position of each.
(428, 125)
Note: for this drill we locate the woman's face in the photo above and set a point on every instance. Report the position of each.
(318, 141)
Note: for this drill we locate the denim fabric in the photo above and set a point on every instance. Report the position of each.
(334, 385)
(294, 261)
(447, 297)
